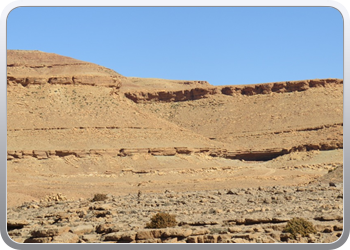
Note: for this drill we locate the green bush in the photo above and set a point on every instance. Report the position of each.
(162, 220)
(299, 226)
(99, 197)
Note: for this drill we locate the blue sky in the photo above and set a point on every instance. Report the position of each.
(222, 45)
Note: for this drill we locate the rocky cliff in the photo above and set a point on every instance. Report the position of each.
(39, 68)
(248, 90)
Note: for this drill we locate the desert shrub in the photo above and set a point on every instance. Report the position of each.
(332, 169)
(99, 197)
(299, 226)
(162, 220)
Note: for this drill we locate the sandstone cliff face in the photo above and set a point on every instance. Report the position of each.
(171, 96)
(248, 90)
(39, 68)
(280, 87)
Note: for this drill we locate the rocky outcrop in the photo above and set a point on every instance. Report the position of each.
(39, 68)
(244, 215)
(105, 81)
(279, 87)
(248, 155)
(171, 96)
(249, 90)
(113, 81)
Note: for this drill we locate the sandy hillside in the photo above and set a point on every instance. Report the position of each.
(78, 129)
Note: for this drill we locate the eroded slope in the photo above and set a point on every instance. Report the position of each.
(266, 120)
(79, 128)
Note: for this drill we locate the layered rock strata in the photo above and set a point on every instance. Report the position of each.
(249, 90)
(39, 68)
(249, 155)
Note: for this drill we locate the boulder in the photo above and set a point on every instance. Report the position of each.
(82, 229)
(49, 231)
(16, 224)
(66, 238)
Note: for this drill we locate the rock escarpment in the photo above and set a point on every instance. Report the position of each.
(248, 90)
(247, 155)
(39, 68)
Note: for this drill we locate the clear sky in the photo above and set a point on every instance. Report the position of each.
(222, 45)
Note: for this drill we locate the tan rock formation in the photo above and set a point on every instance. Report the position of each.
(39, 68)
(232, 162)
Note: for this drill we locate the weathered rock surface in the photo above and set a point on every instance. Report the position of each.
(248, 155)
(254, 89)
(39, 68)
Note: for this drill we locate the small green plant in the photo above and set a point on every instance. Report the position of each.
(162, 220)
(299, 226)
(174, 105)
(99, 197)
(332, 169)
